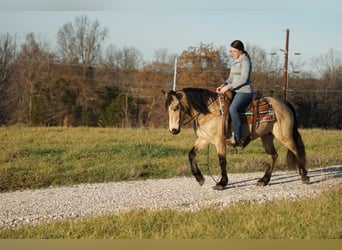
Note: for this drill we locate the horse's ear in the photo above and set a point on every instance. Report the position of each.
(164, 93)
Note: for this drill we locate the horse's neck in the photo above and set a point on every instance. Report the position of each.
(213, 107)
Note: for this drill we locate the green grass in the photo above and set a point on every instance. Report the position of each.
(318, 218)
(43, 157)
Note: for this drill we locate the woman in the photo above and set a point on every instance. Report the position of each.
(239, 82)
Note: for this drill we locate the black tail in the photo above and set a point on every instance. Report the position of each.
(291, 159)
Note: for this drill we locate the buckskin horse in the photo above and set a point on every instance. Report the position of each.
(204, 108)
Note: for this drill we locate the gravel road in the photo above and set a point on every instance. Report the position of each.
(32, 206)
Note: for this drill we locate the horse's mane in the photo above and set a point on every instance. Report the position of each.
(199, 99)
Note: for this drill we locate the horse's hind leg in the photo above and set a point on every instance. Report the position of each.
(296, 156)
(267, 141)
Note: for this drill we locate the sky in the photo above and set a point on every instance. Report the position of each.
(150, 25)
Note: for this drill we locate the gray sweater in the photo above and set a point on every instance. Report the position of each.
(239, 77)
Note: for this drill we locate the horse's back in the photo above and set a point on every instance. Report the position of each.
(281, 110)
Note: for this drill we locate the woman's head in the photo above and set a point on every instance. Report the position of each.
(237, 44)
(237, 48)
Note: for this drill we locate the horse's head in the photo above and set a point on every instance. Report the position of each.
(174, 106)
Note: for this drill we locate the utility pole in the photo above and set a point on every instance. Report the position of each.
(285, 74)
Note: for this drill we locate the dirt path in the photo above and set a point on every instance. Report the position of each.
(31, 206)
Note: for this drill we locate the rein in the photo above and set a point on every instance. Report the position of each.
(208, 166)
(191, 119)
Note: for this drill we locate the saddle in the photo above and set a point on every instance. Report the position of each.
(258, 110)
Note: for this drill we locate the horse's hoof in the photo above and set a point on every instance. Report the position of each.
(305, 179)
(261, 183)
(218, 187)
(201, 181)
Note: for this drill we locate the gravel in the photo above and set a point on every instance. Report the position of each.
(32, 206)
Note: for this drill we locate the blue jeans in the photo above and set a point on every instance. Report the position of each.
(239, 103)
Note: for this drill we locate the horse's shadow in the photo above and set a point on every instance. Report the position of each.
(244, 183)
(334, 172)
(316, 175)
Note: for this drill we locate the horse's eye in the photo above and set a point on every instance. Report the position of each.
(176, 108)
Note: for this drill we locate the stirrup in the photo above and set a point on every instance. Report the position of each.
(240, 143)
(234, 143)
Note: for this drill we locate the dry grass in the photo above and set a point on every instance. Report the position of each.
(43, 157)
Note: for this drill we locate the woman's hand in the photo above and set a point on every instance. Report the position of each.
(221, 89)
(218, 90)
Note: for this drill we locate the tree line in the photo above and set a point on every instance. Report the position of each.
(80, 83)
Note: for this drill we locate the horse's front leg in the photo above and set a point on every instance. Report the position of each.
(196, 172)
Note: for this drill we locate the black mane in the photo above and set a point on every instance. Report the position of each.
(199, 99)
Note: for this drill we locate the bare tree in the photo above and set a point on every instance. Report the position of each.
(7, 57)
(258, 57)
(124, 64)
(33, 63)
(153, 77)
(329, 66)
(7, 64)
(328, 95)
(80, 42)
(128, 59)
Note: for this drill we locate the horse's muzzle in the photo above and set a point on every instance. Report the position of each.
(174, 131)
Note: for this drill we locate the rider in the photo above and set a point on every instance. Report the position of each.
(239, 82)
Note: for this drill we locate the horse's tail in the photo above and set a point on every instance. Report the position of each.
(291, 158)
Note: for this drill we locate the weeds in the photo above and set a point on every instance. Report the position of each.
(43, 157)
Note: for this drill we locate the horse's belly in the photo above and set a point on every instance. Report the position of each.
(260, 129)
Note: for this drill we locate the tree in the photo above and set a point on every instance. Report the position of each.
(7, 66)
(265, 70)
(80, 42)
(329, 67)
(203, 66)
(152, 78)
(328, 97)
(32, 67)
(124, 65)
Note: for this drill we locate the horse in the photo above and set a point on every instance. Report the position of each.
(203, 108)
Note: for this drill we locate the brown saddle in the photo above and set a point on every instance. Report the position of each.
(259, 110)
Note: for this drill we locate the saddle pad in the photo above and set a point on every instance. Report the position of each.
(265, 112)
(266, 116)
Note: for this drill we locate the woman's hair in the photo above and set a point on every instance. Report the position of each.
(237, 44)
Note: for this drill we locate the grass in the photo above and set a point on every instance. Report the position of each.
(318, 218)
(43, 157)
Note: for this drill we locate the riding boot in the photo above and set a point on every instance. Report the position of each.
(232, 141)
